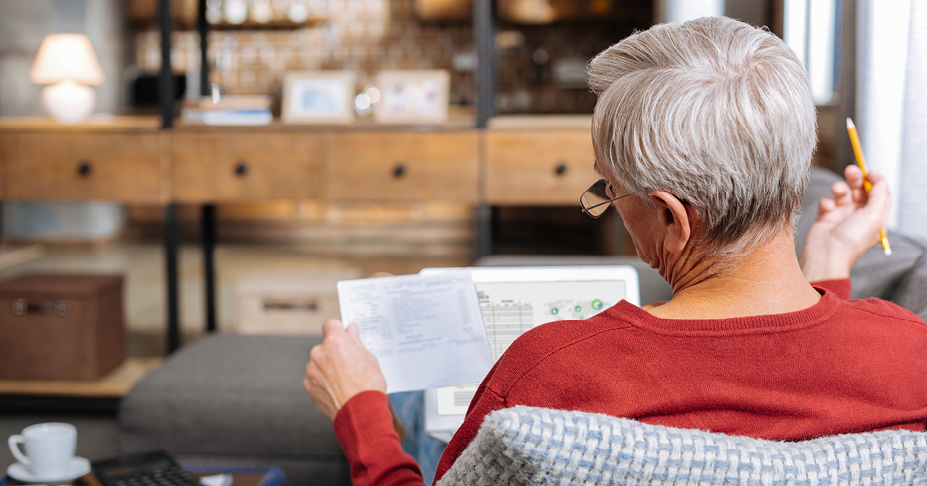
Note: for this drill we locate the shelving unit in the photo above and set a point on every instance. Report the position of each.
(114, 385)
(484, 25)
(281, 24)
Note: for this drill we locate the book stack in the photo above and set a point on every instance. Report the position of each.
(229, 110)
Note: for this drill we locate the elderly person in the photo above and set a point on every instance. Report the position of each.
(703, 136)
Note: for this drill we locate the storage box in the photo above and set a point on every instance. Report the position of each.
(289, 303)
(61, 326)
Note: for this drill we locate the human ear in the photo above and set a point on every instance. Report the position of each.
(674, 220)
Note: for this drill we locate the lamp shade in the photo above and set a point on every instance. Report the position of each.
(66, 57)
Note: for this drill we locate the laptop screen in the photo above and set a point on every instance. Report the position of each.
(516, 299)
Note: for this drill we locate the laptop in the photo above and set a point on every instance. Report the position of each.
(516, 299)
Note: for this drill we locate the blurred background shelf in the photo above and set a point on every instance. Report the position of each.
(114, 385)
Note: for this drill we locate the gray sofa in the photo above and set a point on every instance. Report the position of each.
(229, 399)
(235, 400)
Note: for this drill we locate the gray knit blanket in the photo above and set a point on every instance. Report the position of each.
(537, 446)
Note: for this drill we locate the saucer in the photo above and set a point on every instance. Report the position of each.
(77, 467)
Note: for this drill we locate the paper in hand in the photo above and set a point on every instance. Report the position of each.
(426, 331)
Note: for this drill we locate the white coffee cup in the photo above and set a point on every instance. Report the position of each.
(49, 448)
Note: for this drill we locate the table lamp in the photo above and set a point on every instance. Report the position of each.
(67, 63)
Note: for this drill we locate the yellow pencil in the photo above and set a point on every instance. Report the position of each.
(861, 162)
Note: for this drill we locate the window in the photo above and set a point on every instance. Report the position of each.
(811, 29)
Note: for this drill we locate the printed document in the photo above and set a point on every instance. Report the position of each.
(426, 331)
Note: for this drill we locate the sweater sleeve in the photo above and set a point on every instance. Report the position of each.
(840, 287)
(364, 427)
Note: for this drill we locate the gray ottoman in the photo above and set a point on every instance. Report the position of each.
(235, 400)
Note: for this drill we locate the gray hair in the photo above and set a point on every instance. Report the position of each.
(716, 112)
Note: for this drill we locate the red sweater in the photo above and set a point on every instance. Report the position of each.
(840, 366)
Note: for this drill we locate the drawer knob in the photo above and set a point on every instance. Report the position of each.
(561, 169)
(241, 169)
(20, 307)
(399, 170)
(84, 168)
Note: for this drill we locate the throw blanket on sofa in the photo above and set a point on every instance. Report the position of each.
(537, 446)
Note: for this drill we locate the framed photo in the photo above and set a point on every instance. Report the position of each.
(318, 97)
(412, 97)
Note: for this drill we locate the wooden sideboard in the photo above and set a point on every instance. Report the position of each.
(226, 166)
(550, 167)
(120, 161)
(517, 161)
(403, 166)
(524, 161)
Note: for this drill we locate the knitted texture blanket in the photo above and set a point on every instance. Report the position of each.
(537, 446)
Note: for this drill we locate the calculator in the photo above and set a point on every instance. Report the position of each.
(155, 468)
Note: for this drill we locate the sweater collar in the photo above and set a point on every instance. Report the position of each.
(819, 312)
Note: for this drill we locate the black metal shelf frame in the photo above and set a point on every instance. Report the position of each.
(484, 30)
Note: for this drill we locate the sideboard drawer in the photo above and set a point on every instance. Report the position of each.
(81, 166)
(403, 166)
(538, 167)
(236, 166)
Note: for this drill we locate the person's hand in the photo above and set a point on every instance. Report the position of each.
(846, 227)
(339, 368)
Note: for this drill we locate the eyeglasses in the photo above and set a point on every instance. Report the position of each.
(597, 199)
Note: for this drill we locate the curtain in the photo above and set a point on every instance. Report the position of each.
(682, 10)
(912, 188)
(892, 110)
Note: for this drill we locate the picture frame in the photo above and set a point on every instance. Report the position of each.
(412, 97)
(318, 97)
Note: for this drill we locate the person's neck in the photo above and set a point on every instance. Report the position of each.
(767, 281)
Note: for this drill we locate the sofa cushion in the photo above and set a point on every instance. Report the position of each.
(229, 399)
(900, 278)
(911, 292)
(528, 445)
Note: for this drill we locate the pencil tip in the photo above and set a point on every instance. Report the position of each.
(850, 124)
